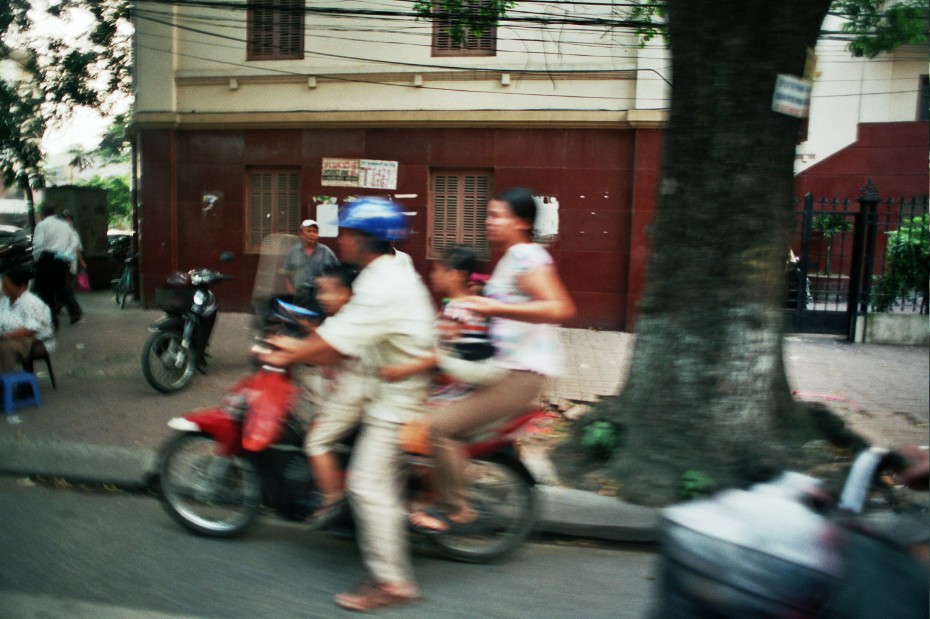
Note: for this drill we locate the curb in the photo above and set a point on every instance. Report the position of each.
(563, 511)
(123, 467)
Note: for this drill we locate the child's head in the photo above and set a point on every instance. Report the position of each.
(450, 275)
(334, 287)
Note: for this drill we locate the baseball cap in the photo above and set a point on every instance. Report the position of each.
(308, 222)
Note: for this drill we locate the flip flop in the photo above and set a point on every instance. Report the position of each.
(450, 526)
(325, 515)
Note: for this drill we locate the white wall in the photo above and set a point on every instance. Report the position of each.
(849, 90)
(372, 64)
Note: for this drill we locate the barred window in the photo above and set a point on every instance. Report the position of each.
(469, 42)
(459, 206)
(273, 205)
(275, 29)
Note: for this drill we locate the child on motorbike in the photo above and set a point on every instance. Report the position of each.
(341, 412)
(465, 353)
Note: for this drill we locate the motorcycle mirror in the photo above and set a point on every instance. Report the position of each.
(227, 256)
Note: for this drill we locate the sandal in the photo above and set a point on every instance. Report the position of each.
(326, 514)
(372, 595)
(446, 525)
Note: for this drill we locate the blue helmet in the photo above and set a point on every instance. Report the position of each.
(377, 217)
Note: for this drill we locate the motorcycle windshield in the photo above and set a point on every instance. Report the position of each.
(270, 282)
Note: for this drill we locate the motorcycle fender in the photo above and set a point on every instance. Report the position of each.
(217, 423)
(168, 323)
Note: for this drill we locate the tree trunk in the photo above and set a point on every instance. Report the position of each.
(707, 390)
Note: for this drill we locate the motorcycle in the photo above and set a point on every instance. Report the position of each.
(787, 549)
(179, 339)
(223, 464)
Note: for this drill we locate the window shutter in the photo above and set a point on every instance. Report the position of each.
(274, 205)
(445, 212)
(288, 203)
(459, 209)
(482, 44)
(474, 212)
(276, 29)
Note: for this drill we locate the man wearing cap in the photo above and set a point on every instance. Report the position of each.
(304, 263)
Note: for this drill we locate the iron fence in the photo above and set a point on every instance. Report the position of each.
(855, 257)
(901, 277)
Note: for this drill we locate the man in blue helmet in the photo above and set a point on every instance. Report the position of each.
(388, 321)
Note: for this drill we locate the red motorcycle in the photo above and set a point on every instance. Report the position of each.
(223, 464)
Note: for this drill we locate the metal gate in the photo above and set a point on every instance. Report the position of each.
(829, 280)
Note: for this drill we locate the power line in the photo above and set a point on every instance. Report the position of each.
(397, 62)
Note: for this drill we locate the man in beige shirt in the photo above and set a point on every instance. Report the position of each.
(388, 321)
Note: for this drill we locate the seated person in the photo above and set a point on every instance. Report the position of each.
(24, 317)
(340, 413)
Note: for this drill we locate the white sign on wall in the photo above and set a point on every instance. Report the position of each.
(792, 96)
(547, 216)
(327, 218)
(369, 173)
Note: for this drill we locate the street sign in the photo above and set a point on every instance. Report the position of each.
(792, 96)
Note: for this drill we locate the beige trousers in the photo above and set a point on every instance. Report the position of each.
(13, 351)
(511, 396)
(376, 487)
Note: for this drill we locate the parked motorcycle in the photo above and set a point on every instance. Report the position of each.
(224, 463)
(786, 549)
(180, 338)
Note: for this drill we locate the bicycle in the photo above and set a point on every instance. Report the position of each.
(123, 284)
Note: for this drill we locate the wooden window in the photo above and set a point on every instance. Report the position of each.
(481, 43)
(459, 206)
(276, 30)
(273, 207)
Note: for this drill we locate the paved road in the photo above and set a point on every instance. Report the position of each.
(67, 554)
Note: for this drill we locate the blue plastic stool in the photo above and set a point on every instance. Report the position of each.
(12, 380)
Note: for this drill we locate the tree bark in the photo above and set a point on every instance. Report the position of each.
(707, 389)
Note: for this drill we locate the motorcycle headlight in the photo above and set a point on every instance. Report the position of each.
(200, 297)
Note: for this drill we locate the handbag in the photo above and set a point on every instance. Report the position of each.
(83, 282)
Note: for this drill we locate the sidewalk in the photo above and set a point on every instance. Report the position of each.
(104, 421)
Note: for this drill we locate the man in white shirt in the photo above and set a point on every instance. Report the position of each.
(50, 243)
(23, 318)
(388, 321)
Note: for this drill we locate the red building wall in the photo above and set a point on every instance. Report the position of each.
(605, 181)
(893, 155)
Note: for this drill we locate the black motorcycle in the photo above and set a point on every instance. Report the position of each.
(788, 550)
(179, 340)
(15, 249)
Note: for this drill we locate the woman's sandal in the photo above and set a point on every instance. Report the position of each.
(326, 514)
(446, 525)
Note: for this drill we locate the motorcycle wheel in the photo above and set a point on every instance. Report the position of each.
(212, 495)
(167, 366)
(506, 506)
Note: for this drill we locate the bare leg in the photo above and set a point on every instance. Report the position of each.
(328, 477)
(511, 396)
